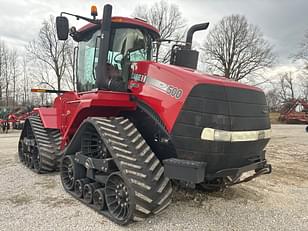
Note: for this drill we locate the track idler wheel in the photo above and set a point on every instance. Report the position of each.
(70, 171)
(88, 191)
(99, 199)
(119, 198)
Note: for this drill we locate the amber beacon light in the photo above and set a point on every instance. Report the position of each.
(93, 11)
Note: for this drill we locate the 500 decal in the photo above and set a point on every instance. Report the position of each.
(168, 89)
(174, 91)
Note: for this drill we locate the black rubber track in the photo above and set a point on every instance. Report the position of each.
(137, 164)
(48, 143)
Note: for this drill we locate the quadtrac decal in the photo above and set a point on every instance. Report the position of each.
(139, 78)
(164, 87)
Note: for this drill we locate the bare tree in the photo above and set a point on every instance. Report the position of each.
(303, 53)
(41, 78)
(304, 88)
(25, 80)
(2, 47)
(6, 73)
(287, 87)
(40, 74)
(167, 18)
(14, 72)
(236, 48)
(46, 48)
(70, 78)
(273, 100)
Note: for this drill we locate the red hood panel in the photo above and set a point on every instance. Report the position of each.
(193, 76)
(166, 87)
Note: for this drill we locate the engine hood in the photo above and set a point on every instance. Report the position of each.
(165, 88)
(189, 76)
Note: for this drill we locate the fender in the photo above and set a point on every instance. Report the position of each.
(71, 108)
(48, 117)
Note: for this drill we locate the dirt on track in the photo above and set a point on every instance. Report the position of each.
(272, 202)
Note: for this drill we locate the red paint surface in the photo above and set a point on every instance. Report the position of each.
(164, 105)
(71, 108)
(124, 20)
(48, 117)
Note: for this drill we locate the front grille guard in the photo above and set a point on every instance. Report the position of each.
(266, 170)
(223, 178)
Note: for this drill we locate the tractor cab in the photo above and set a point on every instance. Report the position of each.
(128, 43)
(107, 48)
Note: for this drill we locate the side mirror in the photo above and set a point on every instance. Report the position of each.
(62, 27)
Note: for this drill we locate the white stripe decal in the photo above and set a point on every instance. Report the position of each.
(234, 136)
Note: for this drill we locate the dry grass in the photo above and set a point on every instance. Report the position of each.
(274, 118)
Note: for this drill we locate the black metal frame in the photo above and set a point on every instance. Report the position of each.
(195, 171)
(104, 165)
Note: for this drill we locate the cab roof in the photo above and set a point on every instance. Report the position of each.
(124, 20)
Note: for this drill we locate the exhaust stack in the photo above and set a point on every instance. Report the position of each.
(192, 30)
(101, 68)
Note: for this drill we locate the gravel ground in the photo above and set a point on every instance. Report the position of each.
(271, 202)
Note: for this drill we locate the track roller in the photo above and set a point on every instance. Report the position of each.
(79, 185)
(88, 191)
(99, 199)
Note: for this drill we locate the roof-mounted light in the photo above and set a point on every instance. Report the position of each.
(93, 11)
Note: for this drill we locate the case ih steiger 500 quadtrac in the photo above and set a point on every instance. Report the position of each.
(134, 124)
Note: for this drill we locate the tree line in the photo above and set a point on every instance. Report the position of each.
(233, 48)
(46, 63)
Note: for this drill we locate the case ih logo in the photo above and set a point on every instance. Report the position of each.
(168, 89)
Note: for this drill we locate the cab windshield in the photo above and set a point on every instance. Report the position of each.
(127, 45)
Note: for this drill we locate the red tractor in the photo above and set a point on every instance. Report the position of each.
(135, 124)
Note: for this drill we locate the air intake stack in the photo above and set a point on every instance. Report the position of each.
(183, 55)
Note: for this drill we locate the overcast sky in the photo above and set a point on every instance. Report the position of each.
(283, 22)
